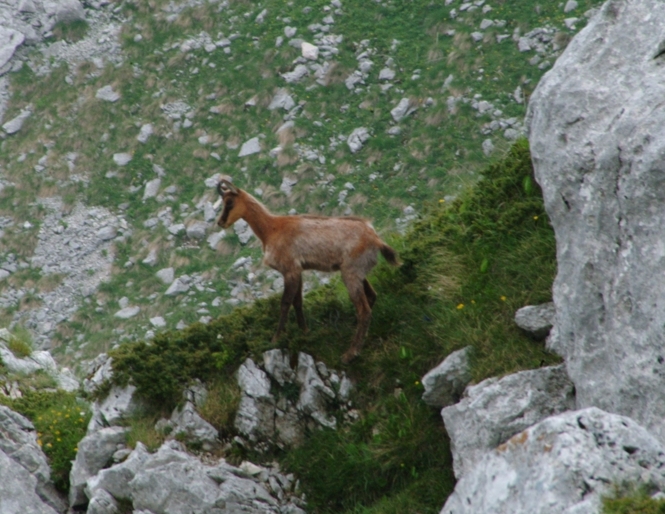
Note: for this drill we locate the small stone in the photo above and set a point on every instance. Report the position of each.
(386, 74)
(357, 139)
(157, 322)
(122, 159)
(166, 275)
(571, 5)
(250, 147)
(152, 188)
(127, 312)
(145, 133)
(107, 94)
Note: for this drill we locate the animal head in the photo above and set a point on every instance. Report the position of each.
(233, 208)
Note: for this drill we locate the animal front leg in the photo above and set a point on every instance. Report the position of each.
(290, 289)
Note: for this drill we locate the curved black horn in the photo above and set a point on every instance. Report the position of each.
(225, 186)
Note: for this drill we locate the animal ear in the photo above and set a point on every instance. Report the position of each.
(225, 186)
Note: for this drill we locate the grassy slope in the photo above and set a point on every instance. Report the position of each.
(466, 268)
(436, 154)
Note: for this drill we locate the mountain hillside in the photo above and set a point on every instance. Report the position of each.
(126, 118)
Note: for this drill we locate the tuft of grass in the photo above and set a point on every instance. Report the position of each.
(632, 500)
(71, 31)
(221, 406)
(142, 428)
(20, 344)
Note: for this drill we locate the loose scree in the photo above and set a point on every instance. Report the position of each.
(292, 244)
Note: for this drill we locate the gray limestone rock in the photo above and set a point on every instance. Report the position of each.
(243, 231)
(188, 423)
(103, 503)
(357, 139)
(197, 230)
(118, 405)
(276, 363)
(15, 124)
(314, 393)
(152, 188)
(250, 147)
(597, 144)
(10, 40)
(94, 453)
(115, 480)
(177, 287)
(21, 458)
(122, 158)
(298, 73)
(128, 312)
(445, 383)
(282, 100)
(404, 108)
(166, 275)
(145, 132)
(107, 94)
(496, 409)
(564, 464)
(536, 320)
(18, 489)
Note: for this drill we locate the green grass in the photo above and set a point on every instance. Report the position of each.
(632, 500)
(466, 268)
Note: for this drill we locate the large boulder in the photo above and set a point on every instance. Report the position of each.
(597, 138)
(496, 409)
(564, 464)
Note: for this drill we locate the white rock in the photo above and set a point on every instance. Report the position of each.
(282, 100)
(564, 464)
(151, 258)
(290, 31)
(243, 231)
(403, 109)
(166, 275)
(214, 239)
(386, 74)
(152, 188)
(197, 230)
(488, 147)
(250, 147)
(287, 185)
(177, 228)
(310, 51)
(536, 320)
(445, 383)
(357, 139)
(10, 40)
(177, 287)
(122, 159)
(15, 124)
(107, 94)
(571, 5)
(145, 133)
(496, 409)
(128, 312)
(295, 76)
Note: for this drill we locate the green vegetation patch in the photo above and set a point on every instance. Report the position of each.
(629, 500)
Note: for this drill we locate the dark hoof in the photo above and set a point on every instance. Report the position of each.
(349, 356)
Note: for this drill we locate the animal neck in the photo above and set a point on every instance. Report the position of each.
(258, 217)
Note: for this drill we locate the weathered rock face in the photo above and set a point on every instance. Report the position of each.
(597, 133)
(26, 483)
(270, 417)
(496, 409)
(563, 464)
(173, 482)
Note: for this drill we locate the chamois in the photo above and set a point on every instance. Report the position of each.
(292, 244)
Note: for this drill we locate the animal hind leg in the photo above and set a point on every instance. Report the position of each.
(369, 293)
(297, 304)
(364, 313)
(291, 285)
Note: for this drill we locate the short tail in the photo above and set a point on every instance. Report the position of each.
(389, 254)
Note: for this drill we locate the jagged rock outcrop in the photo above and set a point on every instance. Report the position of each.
(496, 409)
(26, 477)
(564, 464)
(171, 481)
(266, 418)
(597, 136)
